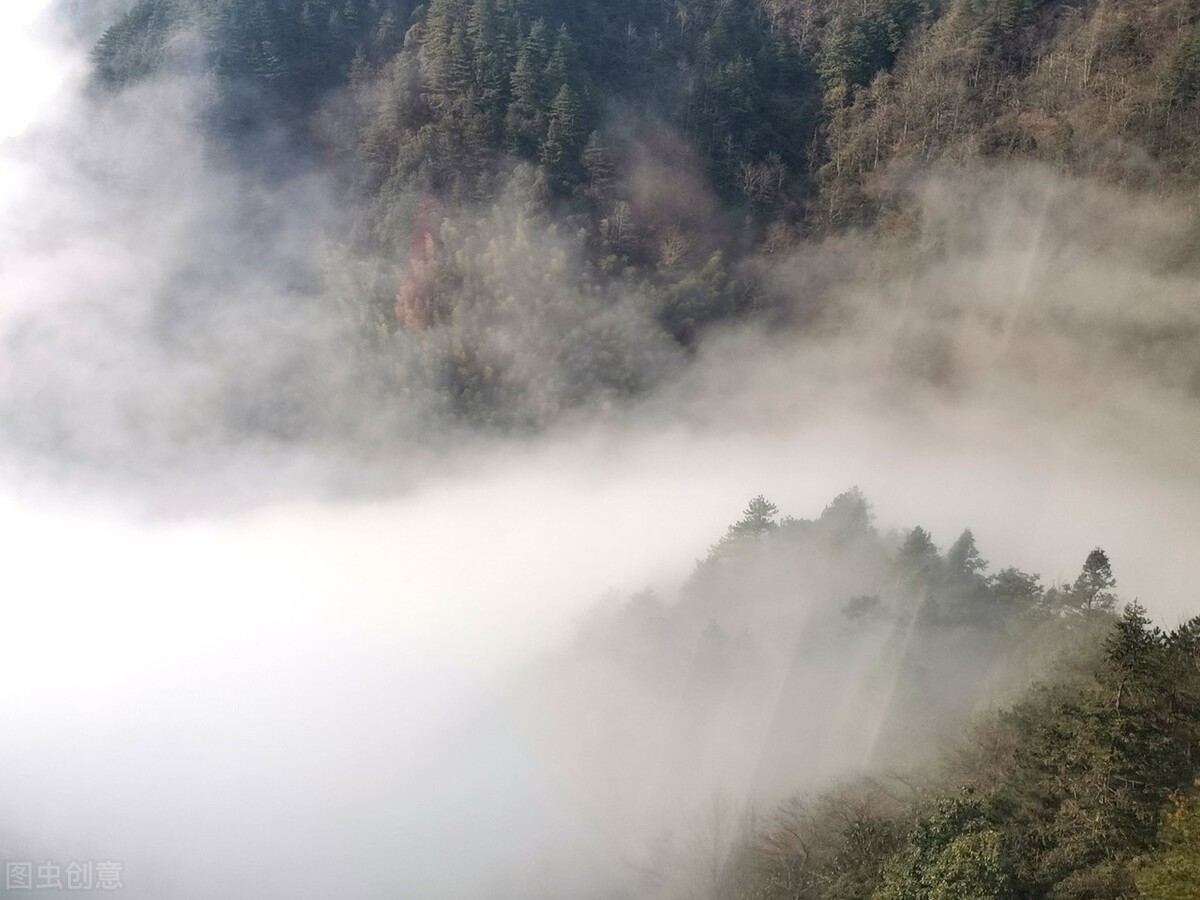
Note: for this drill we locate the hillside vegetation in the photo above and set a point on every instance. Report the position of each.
(991, 737)
(594, 181)
(805, 113)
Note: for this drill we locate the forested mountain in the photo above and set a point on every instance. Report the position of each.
(803, 112)
(990, 737)
(652, 150)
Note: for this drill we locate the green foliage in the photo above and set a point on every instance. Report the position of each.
(918, 564)
(963, 559)
(1080, 785)
(848, 514)
(273, 60)
(791, 116)
(1172, 870)
(561, 145)
(688, 302)
(951, 854)
(1016, 589)
(985, 24)
(1059, 798)
(864, 39)
(866, 846)
(758, 518)
(1092, 590)
(769, 94)
(136, 46)
(1077, 778)
(1181, 81)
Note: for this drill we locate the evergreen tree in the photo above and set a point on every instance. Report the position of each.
(561, 144)
(1133, 651)
(918, 563)
(1092, 590)
(848, 516)
(598, 165)
(537, 48)
(523, 122)
(560, 67)
(963, 560)
(757, 518)
(490, 54)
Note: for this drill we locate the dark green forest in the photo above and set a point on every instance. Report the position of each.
(1037, 741)
(651, 154)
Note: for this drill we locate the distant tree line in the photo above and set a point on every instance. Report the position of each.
(1083, 786)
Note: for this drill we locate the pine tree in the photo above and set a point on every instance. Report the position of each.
(560, 68)
(537, 46)
(489, 54)
(918, 553)
(1092, 590)
(561, 143)
(445, 49)
(757, 518)
(599, 166)
(1133, 651)
(963, 559)
(522, 122)
(848, 516)
(1016, 589)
